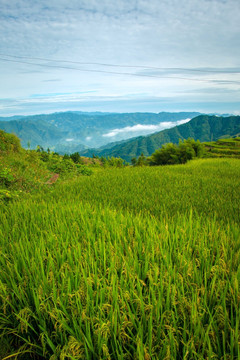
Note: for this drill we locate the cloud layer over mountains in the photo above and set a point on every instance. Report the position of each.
(139, 129)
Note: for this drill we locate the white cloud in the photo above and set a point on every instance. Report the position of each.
(145, 129)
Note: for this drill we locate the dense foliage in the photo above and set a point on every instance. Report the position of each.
(170, 154)
(24, 171)
(9, 142)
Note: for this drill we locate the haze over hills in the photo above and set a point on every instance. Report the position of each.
(35, 132)
(202, 127)
(114, 134)
(68, 132)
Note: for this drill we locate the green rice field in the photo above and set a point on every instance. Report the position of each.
(227, 148)
(131, 263)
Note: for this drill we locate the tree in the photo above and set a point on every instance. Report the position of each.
(40, 148)
(142, 160)
(170, 154)
(76, 158)
(66, 157)
(134, 161)
(167, 155)
(185, 152)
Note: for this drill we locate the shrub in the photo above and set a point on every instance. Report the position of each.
(83, 170)
(76, 158)
(167, 155)
(115, 162)
(9, 142)
(170, 154)
(141, 161)
(6, 177)
(58, 165)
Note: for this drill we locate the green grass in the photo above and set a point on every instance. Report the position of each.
(132, 263)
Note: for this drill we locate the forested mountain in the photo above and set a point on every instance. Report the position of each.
(72, 131)
(203, 128)
(10, 118)
(33, 133)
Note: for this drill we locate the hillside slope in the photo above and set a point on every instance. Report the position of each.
(203, 128)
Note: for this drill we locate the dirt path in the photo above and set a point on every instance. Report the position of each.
(52, 180)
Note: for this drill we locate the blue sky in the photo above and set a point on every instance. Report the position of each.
(129, 55)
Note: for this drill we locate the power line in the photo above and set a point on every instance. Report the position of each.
(220, 71)
(115, 72)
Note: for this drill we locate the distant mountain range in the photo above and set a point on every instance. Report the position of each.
(35, 132)
(203, 128)
(107, 134)
(68, 132)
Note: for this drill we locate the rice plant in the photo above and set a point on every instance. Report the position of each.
(132, 263)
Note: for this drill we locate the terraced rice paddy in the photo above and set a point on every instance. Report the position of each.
(133, 263)
(224, 148)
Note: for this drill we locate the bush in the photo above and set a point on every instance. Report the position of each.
(6, 177)
(9, 142)
(57, 165)
(167, 155)
(115, 162)
(44, 156)
(66, 166)
(76, 158)
(141, 161)
(171, 154)
(84, 170)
